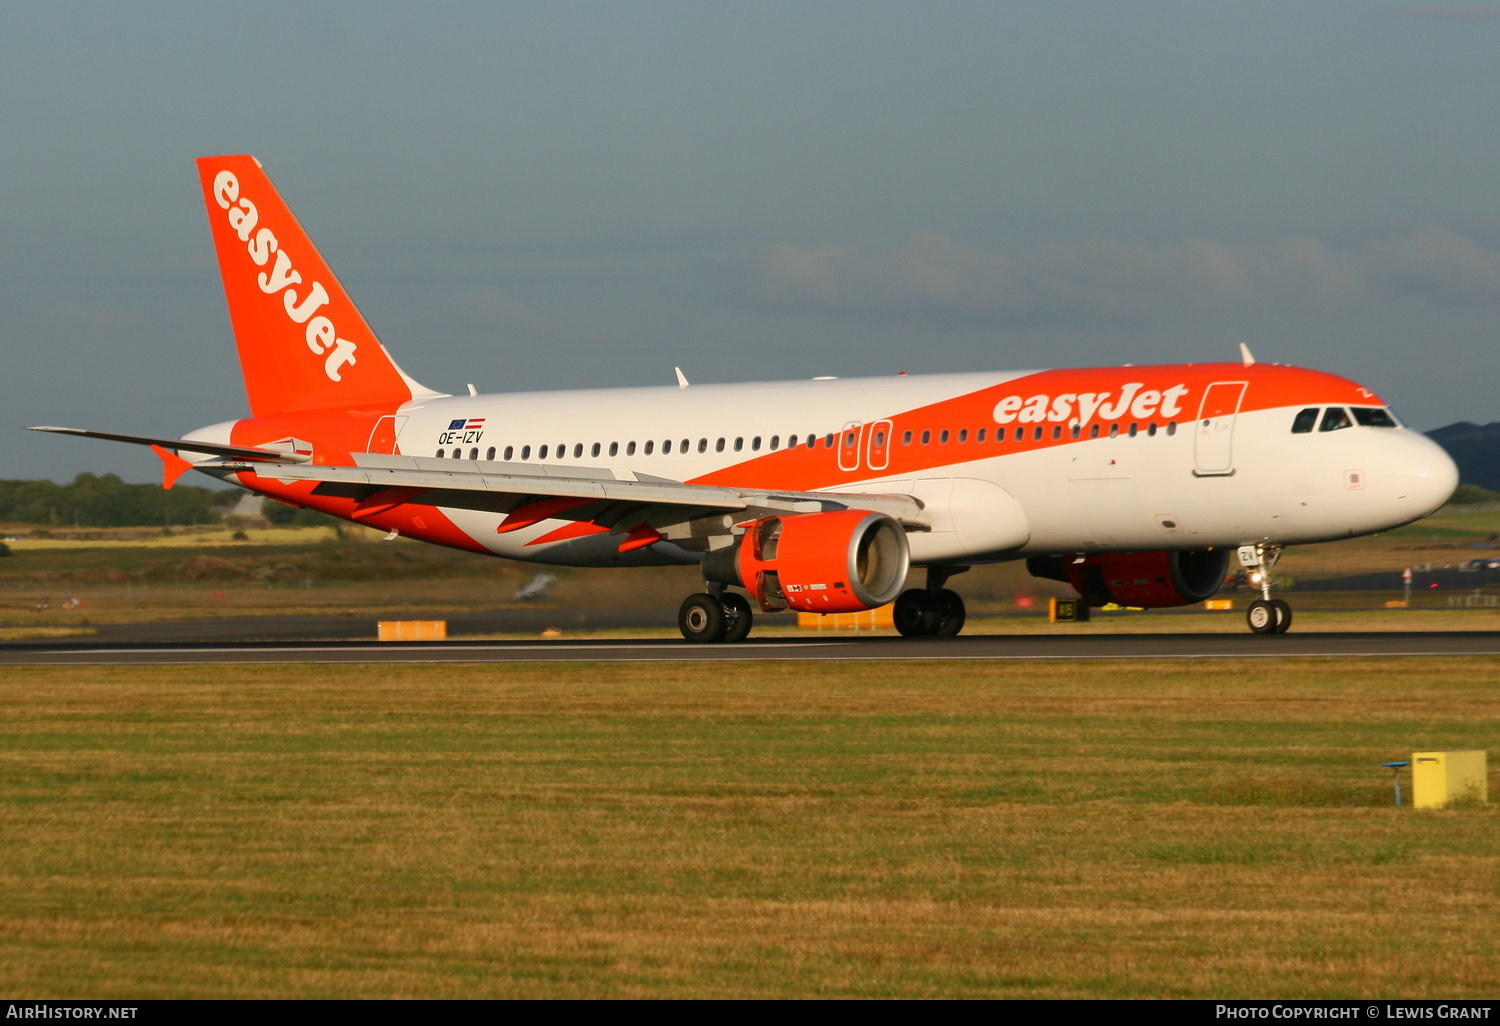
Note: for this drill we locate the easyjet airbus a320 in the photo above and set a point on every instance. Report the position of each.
(1137, 485)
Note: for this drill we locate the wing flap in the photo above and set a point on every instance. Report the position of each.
(600, 496)
(455, 483)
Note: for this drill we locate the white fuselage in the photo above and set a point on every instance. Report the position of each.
(1168, 479)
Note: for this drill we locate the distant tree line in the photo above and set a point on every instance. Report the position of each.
(1471, 495)
(282, 515)
(103, 500)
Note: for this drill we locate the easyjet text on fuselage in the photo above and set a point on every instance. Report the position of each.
(1135, 398)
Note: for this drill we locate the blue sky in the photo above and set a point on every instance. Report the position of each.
(544, 195)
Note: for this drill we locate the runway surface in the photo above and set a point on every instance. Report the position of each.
(995, 648)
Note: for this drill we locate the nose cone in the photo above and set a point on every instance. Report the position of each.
(1427, 473)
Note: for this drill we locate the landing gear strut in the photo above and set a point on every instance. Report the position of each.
(1265, 615)
(933, 611)
(708, 618)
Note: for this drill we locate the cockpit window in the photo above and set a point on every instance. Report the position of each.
(1305, 421)
(1334, 418)
(1373, 416)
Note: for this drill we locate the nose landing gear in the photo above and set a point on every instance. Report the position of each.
(1265, 615)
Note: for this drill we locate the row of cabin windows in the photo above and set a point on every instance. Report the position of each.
(849, 441)
(1336, 418)
(1040, 432)
(647, 447)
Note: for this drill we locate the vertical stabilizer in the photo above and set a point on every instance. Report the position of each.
(303, 344)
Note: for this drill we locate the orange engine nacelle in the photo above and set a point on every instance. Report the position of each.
(1148, 580)
(840, 561)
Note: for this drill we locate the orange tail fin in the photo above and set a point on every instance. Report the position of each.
(303, 344)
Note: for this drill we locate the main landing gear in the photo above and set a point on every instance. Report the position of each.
(933, 611)
(1265, 615)
(718, 615)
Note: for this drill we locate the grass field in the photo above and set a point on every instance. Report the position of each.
(781, 830)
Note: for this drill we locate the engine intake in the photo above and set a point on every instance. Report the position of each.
(1148, 580)
(840, 561)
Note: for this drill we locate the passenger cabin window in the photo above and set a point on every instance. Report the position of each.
(1373, 416)
(1305, 420)
(489, 454)
(614, 448)
(542, 453)
(1335, 418)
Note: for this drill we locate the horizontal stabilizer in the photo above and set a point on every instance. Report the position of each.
(236, 452)
(173, 466)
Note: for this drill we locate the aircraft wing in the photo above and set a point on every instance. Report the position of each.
(530, 493)
(527, 493)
